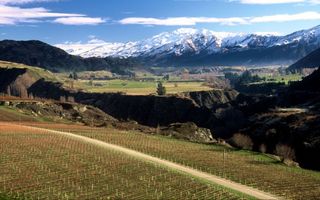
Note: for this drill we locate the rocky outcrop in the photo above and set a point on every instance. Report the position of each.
(188, 131)
(212, 99)
(196, 107)
(297, 128)
(57, 111)
(146, 110)
(155, 110)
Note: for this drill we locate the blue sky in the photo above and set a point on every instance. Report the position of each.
(58, 21)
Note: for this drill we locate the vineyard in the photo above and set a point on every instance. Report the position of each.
(36, 164)
(8, 115)
(253, 169)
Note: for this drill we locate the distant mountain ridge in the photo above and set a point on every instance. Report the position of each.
(201, 47)
(312, 60)
(180, 48)
(40, 54)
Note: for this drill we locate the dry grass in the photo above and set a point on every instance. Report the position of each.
(10, 115)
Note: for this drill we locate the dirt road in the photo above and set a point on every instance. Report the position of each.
(174, 166)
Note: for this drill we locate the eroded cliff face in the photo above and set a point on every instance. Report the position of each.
(212, 99)
(208, 109)
(224, 112)
(16, 82)
(149, 110)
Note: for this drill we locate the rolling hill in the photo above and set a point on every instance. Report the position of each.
(310, 61)
(40, 54)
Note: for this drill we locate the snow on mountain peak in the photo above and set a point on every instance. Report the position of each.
(185, 40)
(184, 31)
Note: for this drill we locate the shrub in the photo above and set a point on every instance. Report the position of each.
(161, 90)
(70, 99)
(285, 152)
(242, 141)
(63, 99)
(263, 148)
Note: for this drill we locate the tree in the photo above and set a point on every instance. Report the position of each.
(75, 76)
(166, 77)
(161, 90)
(31, 96)
(242, 141)
(285, 152)
(9, 90)
(70, 99)
(91, 82)
(63, 99)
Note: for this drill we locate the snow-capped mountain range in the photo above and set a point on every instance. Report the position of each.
(193, 42)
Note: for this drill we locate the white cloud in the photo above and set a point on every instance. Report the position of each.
(80, 20)
(314, 1)
(20, 2)
(11, 15)
(268, 33)
(269, 1)
(191, 21)
(94, 40)
(6, 21)
(182, 21)
(287, 17)
(266, 2)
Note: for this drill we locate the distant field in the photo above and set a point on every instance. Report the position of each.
(138, 88)
(253, 169)
(283, 79)
(41, 165)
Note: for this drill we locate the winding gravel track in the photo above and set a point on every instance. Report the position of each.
(174, 166)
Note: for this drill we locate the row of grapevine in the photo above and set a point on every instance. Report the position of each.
(248, 168)
(41, 165)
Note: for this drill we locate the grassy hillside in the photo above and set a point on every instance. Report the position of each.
(6, 197)
(11, 115)
(253, 169)
(63, 168)
(37, 53)
(40, 54)
(35, 71)
(310, 61)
